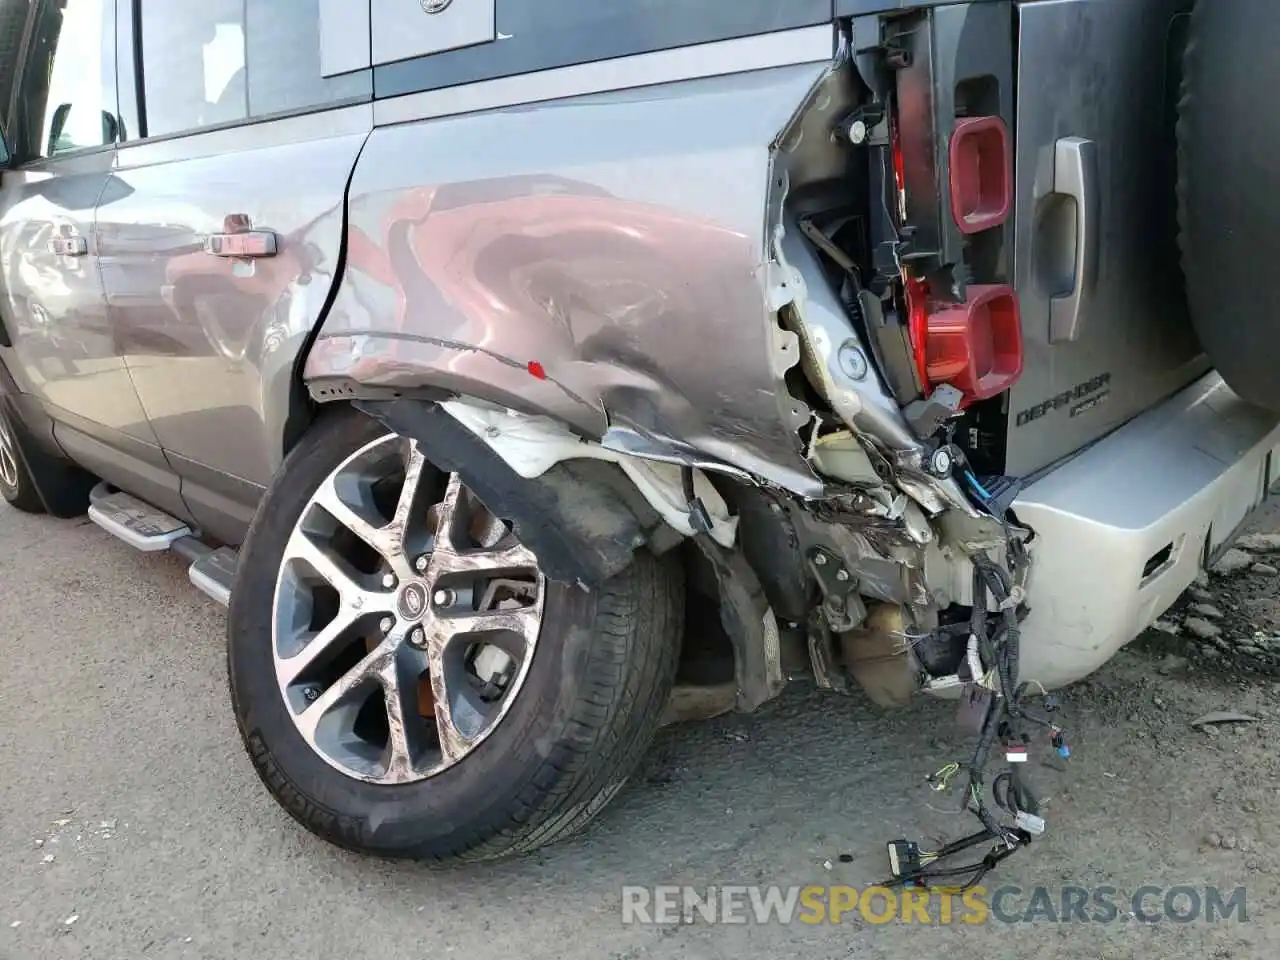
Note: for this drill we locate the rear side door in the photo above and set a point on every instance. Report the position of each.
(220, 250)
(62, 129)
(1106, 330)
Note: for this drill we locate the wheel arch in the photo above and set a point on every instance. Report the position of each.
(586, 518)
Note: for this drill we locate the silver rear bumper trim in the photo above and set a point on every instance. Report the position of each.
(1184, 476)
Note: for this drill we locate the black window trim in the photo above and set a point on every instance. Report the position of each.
(521, 52)
(24, 48)
(24, 57)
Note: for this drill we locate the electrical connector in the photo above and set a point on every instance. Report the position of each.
(904, 857)
(1029, 822)
(1060, 744)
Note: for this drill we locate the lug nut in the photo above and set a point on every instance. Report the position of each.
(820, 559)
(842, 575)
(385, 624)
(311, 694)
(388, 581)
(417, 638)
(421, 564)
(443, 598)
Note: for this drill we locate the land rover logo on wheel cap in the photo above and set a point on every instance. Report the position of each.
(413, 601)
(435, 6)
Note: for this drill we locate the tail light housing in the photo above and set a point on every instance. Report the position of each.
(980, 174)
(975, 346)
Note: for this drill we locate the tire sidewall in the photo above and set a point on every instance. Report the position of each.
(455, 808)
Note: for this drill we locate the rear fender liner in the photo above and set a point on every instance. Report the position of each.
(583, 518)
(749, 622)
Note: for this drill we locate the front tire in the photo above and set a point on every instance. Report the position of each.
(370, 589)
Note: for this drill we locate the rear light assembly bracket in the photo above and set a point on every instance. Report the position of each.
(954, 105)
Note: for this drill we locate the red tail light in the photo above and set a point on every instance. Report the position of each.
(980, 174)
(975, 346)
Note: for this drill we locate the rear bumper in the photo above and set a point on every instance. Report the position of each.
(1124, 527)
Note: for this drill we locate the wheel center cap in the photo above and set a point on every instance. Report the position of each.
(413, 601)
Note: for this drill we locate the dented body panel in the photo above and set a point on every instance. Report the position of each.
(613, 244)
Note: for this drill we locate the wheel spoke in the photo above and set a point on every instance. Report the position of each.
(514, 557)
(447, 513)
(330, 500)
(400, 712)
(288, 669)
(451, 556)
(453, 744)
(369, 668)
(522, 622)
(413, 466)
(325, 565)
(8, 456)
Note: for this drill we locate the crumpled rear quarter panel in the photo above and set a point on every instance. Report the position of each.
(615, 241)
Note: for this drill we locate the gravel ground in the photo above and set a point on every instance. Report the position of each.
(131, 825)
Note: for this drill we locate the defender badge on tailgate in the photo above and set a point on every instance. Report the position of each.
(1069, 398)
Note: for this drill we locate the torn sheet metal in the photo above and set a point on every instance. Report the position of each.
(532, 445)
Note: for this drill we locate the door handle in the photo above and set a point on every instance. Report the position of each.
(249, 244)
(1075, 175)
(69, 246)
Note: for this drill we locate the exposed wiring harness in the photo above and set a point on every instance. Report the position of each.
(1005, 720)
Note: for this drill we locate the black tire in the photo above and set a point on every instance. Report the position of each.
(591, 701)
(1229, 191)
(15, 479)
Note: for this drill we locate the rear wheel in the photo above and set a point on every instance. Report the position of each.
(405, 679)
(15, 480)
(1229, 191)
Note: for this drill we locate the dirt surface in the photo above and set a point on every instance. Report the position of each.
(132, 826)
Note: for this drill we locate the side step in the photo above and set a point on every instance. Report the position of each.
(138, 524)
(214, 574)
(145, 528)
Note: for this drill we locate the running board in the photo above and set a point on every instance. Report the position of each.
(213, 575)
(138, 524)
(145, 528)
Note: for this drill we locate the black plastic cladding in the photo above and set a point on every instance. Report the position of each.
(561, 33)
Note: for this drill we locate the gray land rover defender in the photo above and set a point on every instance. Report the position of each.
(511, 368)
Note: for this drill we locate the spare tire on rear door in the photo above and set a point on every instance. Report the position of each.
(1229, 191)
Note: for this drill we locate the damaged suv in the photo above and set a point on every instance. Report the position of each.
(506, 366)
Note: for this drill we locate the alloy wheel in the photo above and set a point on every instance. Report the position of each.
(405, 618)
(8, 456)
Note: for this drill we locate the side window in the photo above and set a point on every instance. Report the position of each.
(67, 97)
(193, 64)
(284, 59)
(412, 53)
